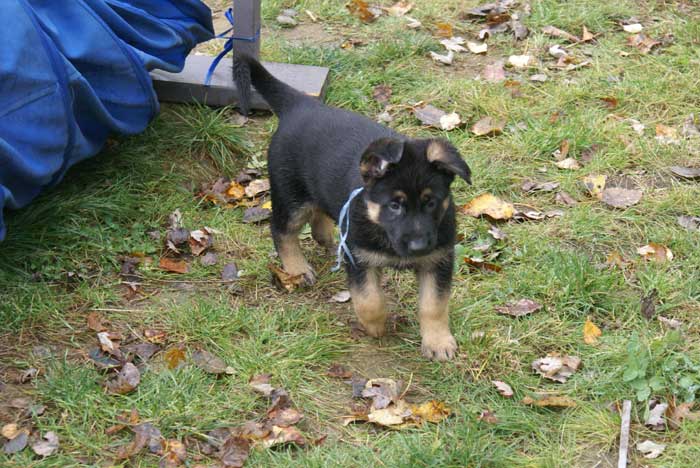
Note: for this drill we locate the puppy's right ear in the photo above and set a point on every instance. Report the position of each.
(378, 156)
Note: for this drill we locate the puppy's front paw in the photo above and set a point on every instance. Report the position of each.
(439, 347)
(376, 328)
(309, 277)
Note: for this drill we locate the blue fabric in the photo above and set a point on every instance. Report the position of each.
(74, 72)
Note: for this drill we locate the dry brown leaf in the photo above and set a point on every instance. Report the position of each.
(686, 172)
(683, 412)
(666, 135)
(586, 35)
(155, 336)
(174, 357)
(339, 372)
(173, 266)
(211, 363)
(382, 94)
(283, 280)
(454, 44)
(531, 186)
(497, 233)
(174, 454)
(494, 73)
(691, 223)
(609, 101)
(568, 163)
(256, 187)
(560, 33)
(503, 388)
(621, 198)
(360, 9)
(400, 8)
(656, 252)
(550, 401)
(200, 240)
(487, 417)
(595, 185)
(95, 322)
(488, 126)
(284, 417)
(555, 367)
(671, 323)
(284, 435)
(10, 431)
(591, 332)
(489, 205)
(519, 308)
(106, 343)
(477, 48)
(648, 304)
(16, 444)
(126, 381)
(450, 121)
(383, 392)
(642, 42)
(565, 199)
(234, 451)
(256, 214)
(480, 264)
(261, 384)
(656, 420)
(341, 297)
(444, 59)
(651, 449)
(429, 115)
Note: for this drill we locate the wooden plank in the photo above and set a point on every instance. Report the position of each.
(246, 17)
(188, 85)
(624, 434)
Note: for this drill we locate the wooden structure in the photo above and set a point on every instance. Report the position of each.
(189, 86)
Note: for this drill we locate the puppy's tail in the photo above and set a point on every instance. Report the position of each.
(247, 71)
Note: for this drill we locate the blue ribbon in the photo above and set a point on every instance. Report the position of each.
(345, 219)
(228, 46)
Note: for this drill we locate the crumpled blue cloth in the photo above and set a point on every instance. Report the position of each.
(74, 72)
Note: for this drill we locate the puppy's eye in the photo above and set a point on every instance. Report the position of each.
(431, 204)
(395, 206)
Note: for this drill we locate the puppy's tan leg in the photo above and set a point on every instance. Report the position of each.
(322, 229)
(433, 300)
(289, 249)
(368, 300)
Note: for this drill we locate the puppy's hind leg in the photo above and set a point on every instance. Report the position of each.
(287, 221)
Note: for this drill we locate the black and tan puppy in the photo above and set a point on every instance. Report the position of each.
(404, 216)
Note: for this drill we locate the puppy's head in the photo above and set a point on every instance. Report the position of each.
(407, 189)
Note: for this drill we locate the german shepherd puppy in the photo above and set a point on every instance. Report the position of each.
(403, 218)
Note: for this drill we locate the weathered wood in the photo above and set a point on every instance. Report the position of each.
(246, 18)
(624, 433)
(188, 85)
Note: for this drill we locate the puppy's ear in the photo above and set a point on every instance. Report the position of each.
(445, 157)
(378, 156)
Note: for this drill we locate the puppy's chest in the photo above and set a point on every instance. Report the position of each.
(376, 259)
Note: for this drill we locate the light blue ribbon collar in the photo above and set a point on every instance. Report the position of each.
(344, 228)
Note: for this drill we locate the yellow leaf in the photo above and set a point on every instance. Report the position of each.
(432, 411)
(174, 356)
(235, 191)
(591, 332)
(267, 205)
(489, 205)
(554, 400)
(595, 185)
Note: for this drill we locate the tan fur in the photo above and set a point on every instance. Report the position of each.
(426, 192)
(373, 210)
(369, 303)
(322, 228)
(446, 203)
(437, 341)
(400, 194)
(289, 249)
(378, 260)
(436, 152)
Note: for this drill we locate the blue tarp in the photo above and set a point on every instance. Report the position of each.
(73, 72)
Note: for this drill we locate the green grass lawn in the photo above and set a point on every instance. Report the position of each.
(62, 258)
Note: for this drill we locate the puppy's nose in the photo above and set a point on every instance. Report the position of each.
(418, 244)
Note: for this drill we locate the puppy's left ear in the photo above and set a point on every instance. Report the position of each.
(442, 154)
(378, 157)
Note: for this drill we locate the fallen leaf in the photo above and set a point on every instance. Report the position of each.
(107, 344)
(591, 332)
(686, 172)
(352, 43)
(229, 272)
(620, 197)
(563, 151)
(494, 73)
(691, 223)
(656, 252)
(666, 135)
(557, 368)
(256, 187)
(497, 233)
(477, 48)
(429, 115)
(256, 214)
(670, 323)
(503, 388)
(382, 94)
(48, 445)
(360, 9)
(144, 351)
(586, 35)
(341, 297)
(683, 412)
(656, 420)
(339, 372)
(283, 280)
(284, 435)
(174, 357)
(560, 33)
(489, 205)
(286, 21)
(550, 401)
(568, 163)
(126, 381)
(632, 28)
(564, 198)
(261, 384)
(650, 449)
(211, 363)
(209, 259)
(10, 431)
(155, 336)
(173, 266)
(637, 126)
(454, 44)
(557, 52)
(450, 121)
(399, 8)
(17, 444)
(383, 392)
(284, 417)
(444, 59)
(413, 23)
(443, 30)
(610, 102)
(431, 411)
(488, 126)
(530, 186)
(174, 454)
(520, 31)
(480, 264)
(519, 61)
(595, 185)
(235, 191)
(234, 451)
(642, 42)
(487, 417)
(102, 360)
(648, 304)
(95, 322)
(394, 415)
(519, 308)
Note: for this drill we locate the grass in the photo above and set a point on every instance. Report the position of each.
(63, 253)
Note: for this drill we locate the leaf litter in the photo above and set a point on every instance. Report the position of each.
(557, 368)
(519, 308)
